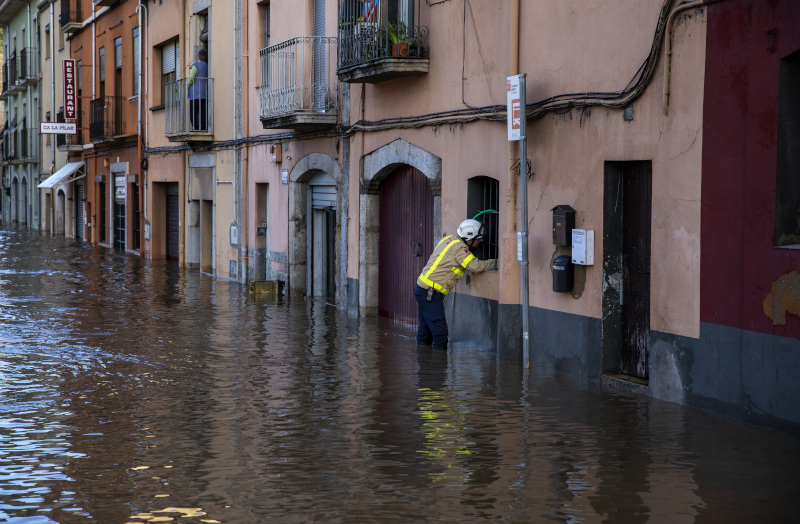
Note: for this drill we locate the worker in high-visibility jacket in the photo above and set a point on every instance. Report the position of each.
(451, 258)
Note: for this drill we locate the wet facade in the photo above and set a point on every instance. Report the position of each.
(339, 139)
(135, 390)
(20, 98)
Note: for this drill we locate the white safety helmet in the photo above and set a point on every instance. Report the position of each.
(470, 229)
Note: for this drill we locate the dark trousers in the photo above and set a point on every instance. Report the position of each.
(432, 322)
(197, 114)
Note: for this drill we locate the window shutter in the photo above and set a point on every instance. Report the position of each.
(135, 61)
(118, 53)
(168, 59)
(102, 64)
(177, 59)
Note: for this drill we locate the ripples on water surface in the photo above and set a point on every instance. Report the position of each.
(135, 391)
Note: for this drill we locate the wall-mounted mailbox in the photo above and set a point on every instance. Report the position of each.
(563, 224)
(563, 274)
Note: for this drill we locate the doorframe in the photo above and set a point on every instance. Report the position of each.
(613, 274)
(376, 167)
(303, 171)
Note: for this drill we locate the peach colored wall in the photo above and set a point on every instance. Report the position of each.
(565, 48)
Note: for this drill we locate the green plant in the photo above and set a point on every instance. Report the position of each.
(399, 34)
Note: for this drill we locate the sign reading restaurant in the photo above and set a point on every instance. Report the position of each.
(70, 96)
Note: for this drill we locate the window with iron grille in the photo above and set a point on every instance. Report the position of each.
(482, 203)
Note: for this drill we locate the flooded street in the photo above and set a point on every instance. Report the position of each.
(137, 391)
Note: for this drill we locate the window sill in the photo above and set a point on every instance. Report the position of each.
(156, 108)
(135, 98)
(790, 246)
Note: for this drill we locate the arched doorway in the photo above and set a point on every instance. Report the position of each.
(405, 241)
(321, 215)
(23, 212)
(317, 239)
(15, 201)
(378, 166)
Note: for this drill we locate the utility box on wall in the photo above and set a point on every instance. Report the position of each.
(583, 247)
(563, 223)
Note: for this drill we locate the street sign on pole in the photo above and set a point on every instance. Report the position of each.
(513, 109)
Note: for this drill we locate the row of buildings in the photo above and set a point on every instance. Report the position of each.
(338, 139)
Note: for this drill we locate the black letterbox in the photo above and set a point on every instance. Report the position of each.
(563, 224)
(563, 274)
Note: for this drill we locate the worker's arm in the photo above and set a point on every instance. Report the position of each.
(192, 74)
(468, 261)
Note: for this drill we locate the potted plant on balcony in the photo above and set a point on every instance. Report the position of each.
(400, 38)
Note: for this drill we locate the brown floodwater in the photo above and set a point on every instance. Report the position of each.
(137, 391)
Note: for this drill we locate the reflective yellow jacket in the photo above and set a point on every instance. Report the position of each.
(447, 264)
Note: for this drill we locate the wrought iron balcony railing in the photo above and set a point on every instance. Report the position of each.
(107, 121)
(9, 146)
(70, 142)
(70, 18)
(367, 35)
(28, 72)
(27, 144)
(189, 109)
(298, 76)
(10, 70)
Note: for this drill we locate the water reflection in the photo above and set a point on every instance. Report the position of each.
(137, 391)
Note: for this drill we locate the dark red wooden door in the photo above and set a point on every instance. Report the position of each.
(637, 180)
(406, 241)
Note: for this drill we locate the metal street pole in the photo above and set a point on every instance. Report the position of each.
(523, 188)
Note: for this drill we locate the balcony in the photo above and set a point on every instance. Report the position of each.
(373, 49)
(28, 145)
(189, 120)
(70, 142)
(28, 73)
(4, 92)
(70, 18)
(10, 76)
(298, 85)
(9, 9)
(9, 147)
(107, 122)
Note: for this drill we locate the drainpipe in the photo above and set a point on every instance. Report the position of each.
(668, 42)
(95, 235)
(244, 225)
(140, 138)
(52, 108)
(237, 122)
(32, 189)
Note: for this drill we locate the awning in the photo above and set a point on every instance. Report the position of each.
(61, 176)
